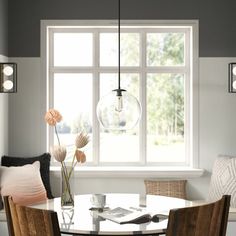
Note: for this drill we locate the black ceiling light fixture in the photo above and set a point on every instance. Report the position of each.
(8, 77)
(118, 110)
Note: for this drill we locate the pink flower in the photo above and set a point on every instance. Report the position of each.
(52, 117)
(80, 156)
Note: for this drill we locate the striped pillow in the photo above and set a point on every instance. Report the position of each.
(223, 179)
(23, 183)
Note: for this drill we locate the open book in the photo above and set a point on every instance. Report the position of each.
(132, 215)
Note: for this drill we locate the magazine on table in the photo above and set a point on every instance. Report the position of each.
(132, 215)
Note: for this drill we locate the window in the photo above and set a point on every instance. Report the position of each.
(158, 64)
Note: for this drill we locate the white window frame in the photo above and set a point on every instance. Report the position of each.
(191, 129)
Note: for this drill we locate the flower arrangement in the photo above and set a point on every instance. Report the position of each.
(52, 117)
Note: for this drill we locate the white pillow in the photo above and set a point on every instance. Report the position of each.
(23, 183)
(223, 179)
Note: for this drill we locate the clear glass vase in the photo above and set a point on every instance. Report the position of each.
(67, 195)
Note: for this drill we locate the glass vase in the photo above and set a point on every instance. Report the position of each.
(67, 195)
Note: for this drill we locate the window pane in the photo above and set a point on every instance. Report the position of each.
(129, 44)
(73, 98)
(119, 146)
(73, 49)
(165, 49)
(165, 118)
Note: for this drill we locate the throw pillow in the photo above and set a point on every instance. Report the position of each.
(223, 179)
(23, 183)
(169, 188)
(44, 160)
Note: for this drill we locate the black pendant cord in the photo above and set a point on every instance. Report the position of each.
(119, 44)
(119, 90)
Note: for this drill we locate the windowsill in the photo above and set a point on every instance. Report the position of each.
(134, 172)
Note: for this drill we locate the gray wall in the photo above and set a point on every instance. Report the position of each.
(216, 17)
(3, 27)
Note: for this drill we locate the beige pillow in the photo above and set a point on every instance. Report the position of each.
(23, 183)
(223, 179)
(169, 188)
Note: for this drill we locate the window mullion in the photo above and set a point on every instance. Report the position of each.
(167, 69)
(96, 127)
(142, 87)
(50, 85)
(187, 80)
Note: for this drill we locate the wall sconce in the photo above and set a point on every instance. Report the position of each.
(232, 77)
(8, 80)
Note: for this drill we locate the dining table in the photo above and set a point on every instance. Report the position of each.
(83, 218)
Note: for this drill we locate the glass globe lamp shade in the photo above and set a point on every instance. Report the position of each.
(118, 112)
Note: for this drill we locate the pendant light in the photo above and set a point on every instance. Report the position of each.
(118, 110)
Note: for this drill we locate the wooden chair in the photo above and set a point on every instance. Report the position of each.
(169, 188)
(26, 221)
(206, 220)
(8, 216)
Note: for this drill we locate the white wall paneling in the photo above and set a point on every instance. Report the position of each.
(217, 129)
(217, 132)
(3, 118)
(25, 116)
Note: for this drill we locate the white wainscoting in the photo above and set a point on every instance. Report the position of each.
(3, 118)
(217, 132)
